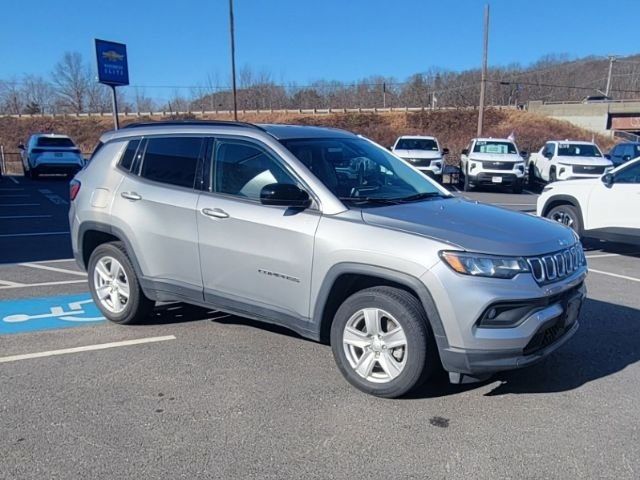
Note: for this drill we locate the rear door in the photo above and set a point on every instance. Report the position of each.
(255, 258)
(155, 207)
(616, 208)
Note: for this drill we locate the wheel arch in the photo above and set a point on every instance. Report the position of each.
(345, 279)
(93, 234)
(558, 200)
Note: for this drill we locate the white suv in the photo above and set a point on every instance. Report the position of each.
(605, 208)
(50, 153)
(564, 160)
(492, 161)
(423, 152)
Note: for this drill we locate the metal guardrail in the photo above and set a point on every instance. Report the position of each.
(300, 111)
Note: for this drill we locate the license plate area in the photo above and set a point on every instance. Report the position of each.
(496, 179)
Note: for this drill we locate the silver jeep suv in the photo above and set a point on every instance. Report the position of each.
(328, 234)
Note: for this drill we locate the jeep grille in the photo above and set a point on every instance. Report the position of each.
(556, 266)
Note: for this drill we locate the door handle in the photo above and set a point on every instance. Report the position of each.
(215, 212)
(131, 196)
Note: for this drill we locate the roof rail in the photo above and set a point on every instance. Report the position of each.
(193, 123)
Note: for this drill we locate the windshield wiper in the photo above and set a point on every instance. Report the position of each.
(421, 196)
(374, 200)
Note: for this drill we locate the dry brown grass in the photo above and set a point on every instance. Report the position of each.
(453, 128)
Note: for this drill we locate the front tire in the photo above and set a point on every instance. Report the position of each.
(382, 342)
(517, 187)
(467, 183)
(567, 215)
(552, 176)
(115, 287)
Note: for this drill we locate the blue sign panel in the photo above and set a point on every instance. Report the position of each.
(112, 63)
(29, 314)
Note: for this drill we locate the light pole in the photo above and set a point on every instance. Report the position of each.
(483, 81)
(233, 61)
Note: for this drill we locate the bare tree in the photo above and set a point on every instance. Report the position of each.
(72, 80)
(11, 97)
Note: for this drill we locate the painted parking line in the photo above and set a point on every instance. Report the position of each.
(52, 269)
(42, 284)
(7, 283)
(606, 255)
(48, 313)
(21, 217)
(616, 275)
(516, 204)
(34, 234)
(11, 189)
(12, 195)
(87, 348)
(14, 180)
(20, 205)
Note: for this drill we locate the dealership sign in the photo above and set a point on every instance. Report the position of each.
(112, 63)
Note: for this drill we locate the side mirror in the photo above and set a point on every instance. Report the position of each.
(391, 148)
(21, 146)
(523, 154)
(445, 151)
(465, 151)
(626, 158)
(607, 156)
(284, 195)
(608, 179)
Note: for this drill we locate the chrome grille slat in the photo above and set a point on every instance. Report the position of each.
(556, 266)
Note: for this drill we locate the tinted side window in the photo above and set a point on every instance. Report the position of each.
(551, 148)
(129, 154)
(243, 169)
(629, 174)
(172, 160)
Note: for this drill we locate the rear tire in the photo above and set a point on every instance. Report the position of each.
(517, 187)
(567, 215)
(115, 287)
(532, 176)
(396, 352)
(466, 186)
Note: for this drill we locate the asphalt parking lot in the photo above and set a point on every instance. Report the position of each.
(199, 394)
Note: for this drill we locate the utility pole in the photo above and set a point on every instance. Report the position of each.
(612, 58)
(483, 81)
(233, 61)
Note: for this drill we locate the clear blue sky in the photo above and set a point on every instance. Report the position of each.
(181, 42)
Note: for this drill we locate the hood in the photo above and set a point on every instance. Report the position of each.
(426, 154)
(475, 227)
(595, 161)
(495, 157)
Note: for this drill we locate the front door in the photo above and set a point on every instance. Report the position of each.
(253, 256)
(617, 208)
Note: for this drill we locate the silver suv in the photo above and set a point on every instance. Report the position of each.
(271, 222)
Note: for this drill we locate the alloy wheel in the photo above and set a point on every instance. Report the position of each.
(111, 284)
(375, 345)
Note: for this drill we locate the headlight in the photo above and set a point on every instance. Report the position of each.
(479, 265)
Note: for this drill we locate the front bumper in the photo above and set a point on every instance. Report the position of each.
(470, 348)
(507, 179)
(548, 337)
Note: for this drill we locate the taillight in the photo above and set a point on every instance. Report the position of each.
(74, 188)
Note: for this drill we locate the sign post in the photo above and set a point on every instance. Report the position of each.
(113, 69)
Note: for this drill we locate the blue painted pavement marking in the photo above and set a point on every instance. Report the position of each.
(47, 313)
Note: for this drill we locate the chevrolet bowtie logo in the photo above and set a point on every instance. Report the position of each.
(112, 56)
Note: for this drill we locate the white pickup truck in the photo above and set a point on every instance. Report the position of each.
(492, 161)
(567, 159)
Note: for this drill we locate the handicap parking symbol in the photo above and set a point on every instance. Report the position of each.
(30, 314)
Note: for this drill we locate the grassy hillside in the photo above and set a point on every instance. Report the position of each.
(453, 128)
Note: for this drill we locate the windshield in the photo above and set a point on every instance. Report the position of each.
(55, 142)
(358, 171)
(578, 150)
(490, 146)
(417, 144)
